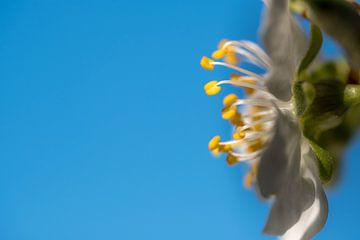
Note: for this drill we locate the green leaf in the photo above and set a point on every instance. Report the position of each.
(340, 20)
(315, 46)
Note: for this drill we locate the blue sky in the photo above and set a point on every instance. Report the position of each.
(104, 125)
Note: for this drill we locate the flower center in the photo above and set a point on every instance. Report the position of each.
(253, 117)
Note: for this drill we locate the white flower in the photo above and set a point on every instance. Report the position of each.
(267, 134)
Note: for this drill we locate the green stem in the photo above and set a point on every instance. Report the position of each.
(351, 94)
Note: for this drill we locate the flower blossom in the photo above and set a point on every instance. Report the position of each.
(266, 130)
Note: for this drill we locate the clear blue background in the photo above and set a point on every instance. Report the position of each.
(104, 125)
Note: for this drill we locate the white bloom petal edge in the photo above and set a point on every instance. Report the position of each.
(286, 45)
(314, 218)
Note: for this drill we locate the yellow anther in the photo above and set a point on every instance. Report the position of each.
(225, 148)
(211, 88)
(231, 160)
(239, 135)
(237, 120)
(254, 168)
(248, 180)
(216, 152)
(228, 112)
(231, 58)
(238, 78)
(249, 91)
(235, 77)
(222, 43)
(255, 146)
(220, 53)
(254, 111)
(258, 127)
(214, 143)
(256, 118)
(206, 63)
(230, 99)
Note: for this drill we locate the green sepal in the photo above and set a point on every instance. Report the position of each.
(319, 103)
(316, 41)
(326, 162)
(325, 111)
(352, 94)
(304, 94)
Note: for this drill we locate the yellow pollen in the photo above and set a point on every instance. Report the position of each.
(205, 62)
(239, 135)
(238, 78)
(231, 159)
(216, 152)
(231, 58)
(235, 77)
(249, 91)
(256, 109)
(230, 99)
(214, 143)
(257, 118)
(222, 43)
(220, 53)
(258, 127)
(255, 146)
(228, 112)
(254, 168)
(249, 177)
(237, 120)
(211, 88)
(225, 148)
(248, 180)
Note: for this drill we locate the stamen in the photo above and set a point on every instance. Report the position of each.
(214, 143)
(256, 146)
(245, 85)
(249, 177)
(256, 136)
(253, 130)
(212, 88)
(231, 159)
(239, 135)
(225, 147)
(253, 49)
(242, 157)
(220, 53)
(248, 180)
(231, 58)
(230, 99)
(229, 112)
(207, 63)
(241, 70)
(263, 103)
(254, 102)
(251, 58)
(237, 120)
(252, 124)
(242, 137)
(259, 114)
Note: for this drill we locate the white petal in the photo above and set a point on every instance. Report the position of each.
(279, 176)
(314, 218)
(286, 45)
(283, 149)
